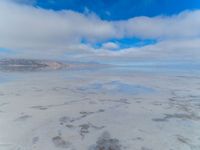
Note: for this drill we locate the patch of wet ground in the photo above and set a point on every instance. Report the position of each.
(35, 140)
(183, 116)
(183, 104)
(85, 128)
(106, 142)
(66, 119)
(59, 142)
(115, 86)
(145, 148)
(45, 107)
(188, 142)
(39, 107)
(23, 118)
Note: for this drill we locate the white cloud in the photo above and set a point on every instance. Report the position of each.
(110, 45)
(183, 25)
(165, 50)
(27, 29)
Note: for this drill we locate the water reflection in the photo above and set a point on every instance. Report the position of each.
(116, 86)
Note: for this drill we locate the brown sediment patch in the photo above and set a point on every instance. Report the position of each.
(84, 129)
(188, 142)
(183, 139)
(23, 118)
(84, 114)
(138, 139)
(188, 116)
(69, 126)
(105, 142)
(64, 119)
(59, 142)
(121, 100)
(35, 140)
(39, 107)
(3, 104)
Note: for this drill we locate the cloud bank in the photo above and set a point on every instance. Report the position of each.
(31, 30)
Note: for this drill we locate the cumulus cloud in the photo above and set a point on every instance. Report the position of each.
(27, 29)
(110, 45)
(183, 25)
(167, 50)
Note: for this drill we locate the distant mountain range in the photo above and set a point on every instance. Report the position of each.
(37, 65)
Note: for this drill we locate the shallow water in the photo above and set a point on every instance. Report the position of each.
(102, 109)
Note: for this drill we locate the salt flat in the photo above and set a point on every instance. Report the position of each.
(105, 109)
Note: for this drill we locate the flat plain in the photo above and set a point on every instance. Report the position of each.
(100, 109)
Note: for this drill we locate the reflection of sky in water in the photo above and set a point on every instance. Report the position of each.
(164, 67)
(116, 86)
(3, 80)
(6, 77)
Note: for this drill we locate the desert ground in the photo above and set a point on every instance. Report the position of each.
(100, 109)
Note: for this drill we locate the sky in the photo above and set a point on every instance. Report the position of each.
(107, 31)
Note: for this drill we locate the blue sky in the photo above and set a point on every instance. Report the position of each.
(122, 9)
(101, 30)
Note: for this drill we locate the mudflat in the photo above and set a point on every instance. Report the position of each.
(102, 109)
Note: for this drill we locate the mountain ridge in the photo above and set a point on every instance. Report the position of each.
(21, 64)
